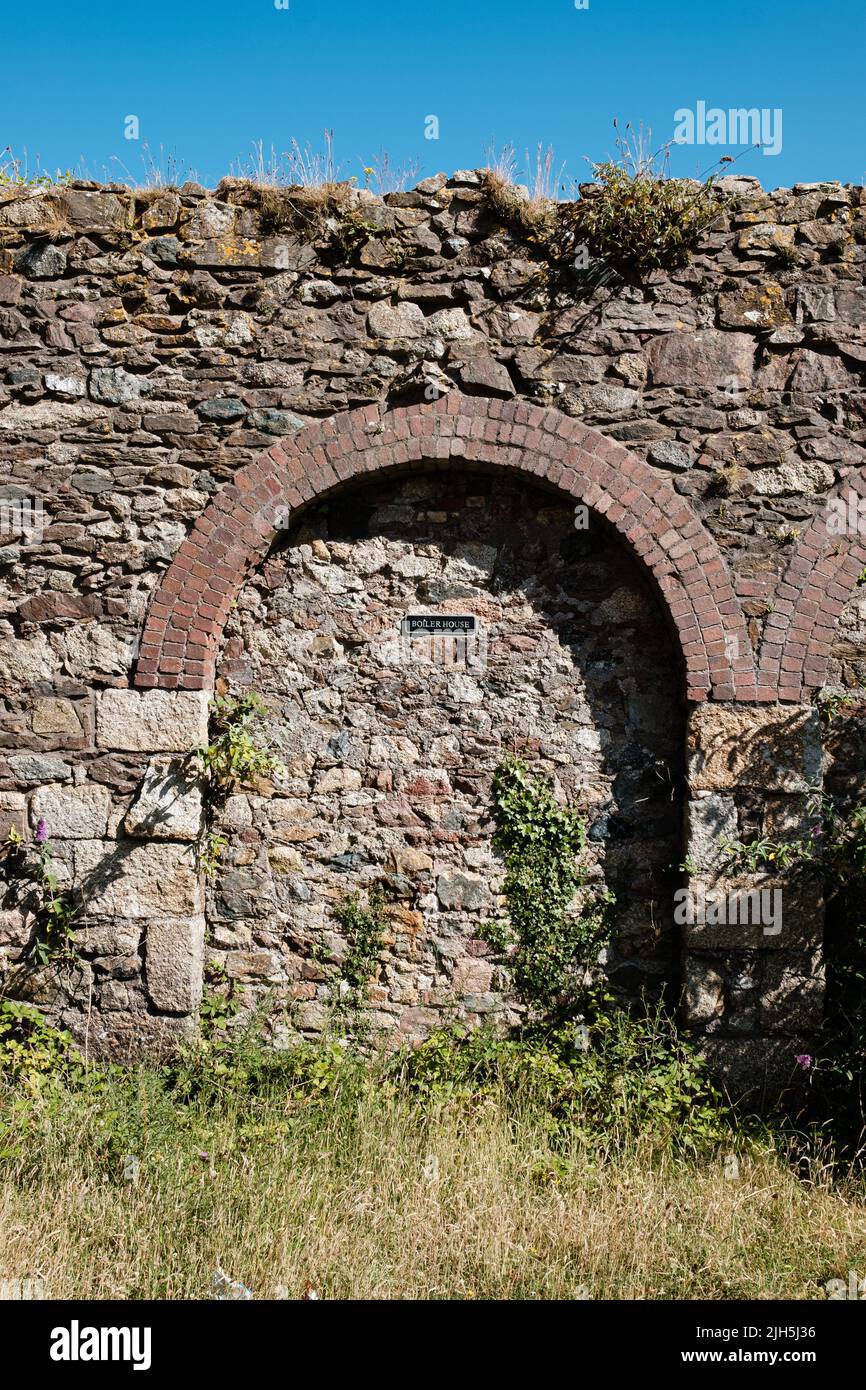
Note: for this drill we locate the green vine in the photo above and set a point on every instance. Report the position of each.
(550, 947)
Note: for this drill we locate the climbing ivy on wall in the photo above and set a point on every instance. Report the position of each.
(550, 945)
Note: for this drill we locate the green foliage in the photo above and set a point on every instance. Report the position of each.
(533, 219)
(218, 1008)
(550, 946)
(834, 845)
(636, 218)
(210, 849)
(55, 913)
(833, 702)
(765, 854)
(234, 755)
(611, 1079)
(31, 1051)
(15, 172)
(364, 928)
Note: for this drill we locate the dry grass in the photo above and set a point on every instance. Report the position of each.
(372, 1196)
(528, 207)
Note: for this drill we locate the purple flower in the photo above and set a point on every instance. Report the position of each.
(804, 1061)
(41, 832)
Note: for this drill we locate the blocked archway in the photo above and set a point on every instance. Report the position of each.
(189, 607)
(808, 603)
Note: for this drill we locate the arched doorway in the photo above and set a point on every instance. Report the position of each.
(391, 740)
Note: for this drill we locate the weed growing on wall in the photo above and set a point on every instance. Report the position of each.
(31, 867)
(364, 929)
(635, 217)
(235, 754)
(15, 172)
(550, 946)
(33, 1053)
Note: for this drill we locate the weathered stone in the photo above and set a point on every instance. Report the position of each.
(704, 358)
(33, 768)
(130, 880)
(766, 238)
(168, 805)
(42, 261)
(704, 998)
(43, 608)
(152, 721)
(95, 651)
(818, 371)
(794, 476)
(771, 748)
(75, 813)
(280, 422)
(755, 912)
(256, 965)
(396, 321)
(711, 820)
(174, 948)
(285, 860)
(411, 861)
(93, 211)
(114, 385)
(162, 212)
(450, 324)
(486, 376)
(472, 977)
(13, 815)
(758, 307)
(338, 779)
(23, 661)
(792, 994)
(68, 386)
(666, 454)
(462, 890)
(222, 409)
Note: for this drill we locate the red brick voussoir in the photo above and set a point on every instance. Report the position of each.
(822, 574)
(189, 608)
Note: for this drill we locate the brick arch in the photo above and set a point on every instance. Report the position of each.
(189, 607)
(820, 578)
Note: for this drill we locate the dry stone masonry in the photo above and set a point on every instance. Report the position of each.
(240, 448)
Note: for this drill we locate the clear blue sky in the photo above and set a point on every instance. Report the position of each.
(206, 78)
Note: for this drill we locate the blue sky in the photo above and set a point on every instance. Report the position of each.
(206, 78)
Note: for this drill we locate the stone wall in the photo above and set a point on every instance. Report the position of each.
(185, 373)
(391, 744)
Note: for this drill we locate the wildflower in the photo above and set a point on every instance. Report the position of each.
(41, 832)
(804, 1060)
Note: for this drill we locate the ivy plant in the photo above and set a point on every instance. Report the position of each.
(550, 945)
